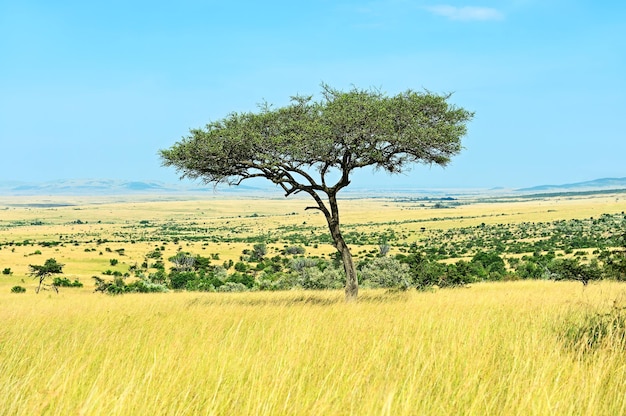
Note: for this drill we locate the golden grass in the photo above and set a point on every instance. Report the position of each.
(493, 348)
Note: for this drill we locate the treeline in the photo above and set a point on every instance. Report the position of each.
(290, 269)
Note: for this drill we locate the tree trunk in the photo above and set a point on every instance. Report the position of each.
(332, 218)
(352, 282)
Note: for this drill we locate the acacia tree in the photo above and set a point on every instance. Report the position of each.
(314, 146)
(41, 272)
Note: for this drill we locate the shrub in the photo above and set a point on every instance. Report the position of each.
(386, 272)
(178, 280)
(316, 279)
(490, 265)
(295, 250)
(117, 286)
(7, 271)
(258, 252)
(65, 282)
(18, 289)
(241, 278)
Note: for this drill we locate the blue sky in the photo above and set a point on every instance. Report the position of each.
(92, 89)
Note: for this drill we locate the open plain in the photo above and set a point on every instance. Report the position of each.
(488, 348)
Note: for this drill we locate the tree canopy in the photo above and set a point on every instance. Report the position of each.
(313, 146)
(41, 272)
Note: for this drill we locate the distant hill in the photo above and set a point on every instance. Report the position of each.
(112, 187)
(597, 184)
(106, 187)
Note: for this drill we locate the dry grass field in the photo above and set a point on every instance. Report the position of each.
(491, 348)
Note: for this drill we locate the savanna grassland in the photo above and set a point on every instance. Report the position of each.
(528, 346)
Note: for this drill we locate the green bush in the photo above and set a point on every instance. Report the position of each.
(295, 250)
(118, 286)
(65, 282)
(386, 272)
(241, 278)
(179, 280)
(18, 289)
(7, 271)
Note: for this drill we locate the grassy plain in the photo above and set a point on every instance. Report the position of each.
(492, 348)
(92, 230)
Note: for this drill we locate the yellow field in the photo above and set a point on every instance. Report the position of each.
(119, 222)
(494, 348)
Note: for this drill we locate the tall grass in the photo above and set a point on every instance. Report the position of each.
(494, 348)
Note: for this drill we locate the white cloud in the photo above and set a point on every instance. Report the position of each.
(466, 13)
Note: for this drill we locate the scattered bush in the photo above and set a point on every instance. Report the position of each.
(65, 282)
(295, 250)
(118, 286)
(18, 289)
(386, 272)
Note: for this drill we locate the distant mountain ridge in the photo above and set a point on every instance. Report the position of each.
(599, 184)
(102, 187)
(95, 187)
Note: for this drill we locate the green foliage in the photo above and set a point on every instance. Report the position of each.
(241, 267)
(156, 254)
(241, 278)
(183, 262)
(615, 263)
(295, 250)
(41, 272)
(18, 289)
(315, 274)
(314, 146)
(7, 271)
(259, 251)
(179, 279)
(573, 269)
(488, 265)
(426, 273)
(386, 272)
(344, 130)
(118, 286)
(65, 282)
(113, 262)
